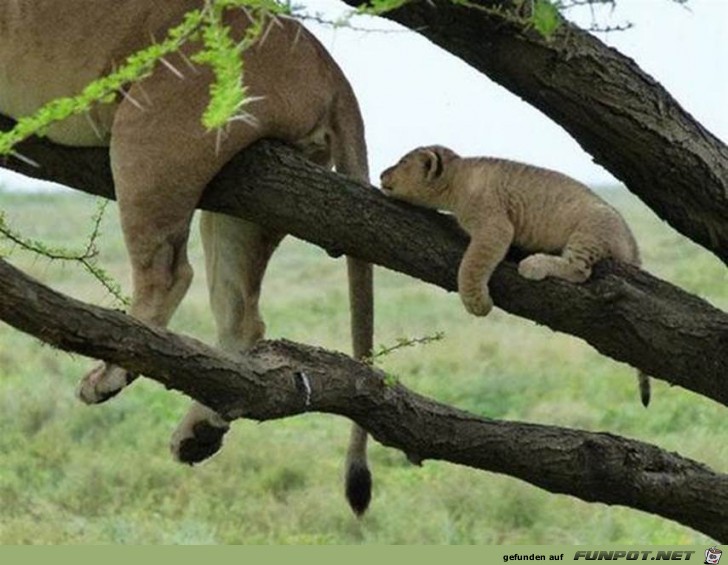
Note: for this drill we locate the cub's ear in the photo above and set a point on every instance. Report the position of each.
(433, 164)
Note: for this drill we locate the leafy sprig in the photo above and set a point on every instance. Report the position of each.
(87, 256)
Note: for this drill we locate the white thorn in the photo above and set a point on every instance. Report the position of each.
(147, 98)
(265, 35)
(131, 99)
(24, 159)
(172, 68)
(189, 63)
(246, 118)
(93, 125)
(297, 37)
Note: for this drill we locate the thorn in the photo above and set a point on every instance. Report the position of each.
(93, 125)
(219, 139)
(144, 93)
(131, 99)
(24, 159)
(298, 36)
(172, 69)
(246, 118)
(189, 63)
(265, 35)
(251, 99)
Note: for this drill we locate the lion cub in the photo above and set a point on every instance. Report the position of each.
(502, 203)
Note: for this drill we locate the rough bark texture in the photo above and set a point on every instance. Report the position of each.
(624, 313)
(279, 379)
(619, 114)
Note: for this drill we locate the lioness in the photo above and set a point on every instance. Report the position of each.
(500, 203)
(162, 158)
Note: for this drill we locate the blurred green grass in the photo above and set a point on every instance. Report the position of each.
(76, 474)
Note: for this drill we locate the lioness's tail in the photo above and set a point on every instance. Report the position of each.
(358, 477)
(350, 158)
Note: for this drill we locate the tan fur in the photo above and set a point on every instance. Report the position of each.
(502, 203)
(162, 158)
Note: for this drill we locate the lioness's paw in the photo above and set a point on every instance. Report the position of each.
(534, 268)
(198, 436)
(102, 383)
(477, 304)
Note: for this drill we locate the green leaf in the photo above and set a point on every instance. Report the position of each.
(545, 18)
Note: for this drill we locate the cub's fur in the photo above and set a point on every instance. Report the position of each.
(502, 203)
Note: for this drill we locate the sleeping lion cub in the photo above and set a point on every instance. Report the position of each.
(502, 203)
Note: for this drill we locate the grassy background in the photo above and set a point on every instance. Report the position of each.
(76, 474)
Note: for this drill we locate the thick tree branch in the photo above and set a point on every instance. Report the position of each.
(619, 114)
(623, 312)
(279, 379)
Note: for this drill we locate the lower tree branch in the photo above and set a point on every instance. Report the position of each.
(279, 379)
(623, 312)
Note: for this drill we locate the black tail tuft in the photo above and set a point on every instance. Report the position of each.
(358, 487)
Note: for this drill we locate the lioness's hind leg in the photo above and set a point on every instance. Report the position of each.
(156, 232)
(161, 275)
(236, 256)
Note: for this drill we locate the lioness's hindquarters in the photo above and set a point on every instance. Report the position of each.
(162, 159)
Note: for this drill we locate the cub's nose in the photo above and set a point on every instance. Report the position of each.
(385, 179)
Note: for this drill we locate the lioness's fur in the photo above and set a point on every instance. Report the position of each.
(500, 203)
(162, 158)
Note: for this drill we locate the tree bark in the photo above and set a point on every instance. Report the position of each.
(618, 113)
(623, 312)
(279, 379)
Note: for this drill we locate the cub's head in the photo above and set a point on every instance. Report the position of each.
(420, 176)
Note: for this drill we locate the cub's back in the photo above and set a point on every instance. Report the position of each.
(546, 207)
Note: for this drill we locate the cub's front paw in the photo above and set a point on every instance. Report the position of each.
(477, 304)
(534, 267)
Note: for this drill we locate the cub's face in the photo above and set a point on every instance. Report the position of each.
(415, 178)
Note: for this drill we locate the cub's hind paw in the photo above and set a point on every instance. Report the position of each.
(478, 304)
(534, 267)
